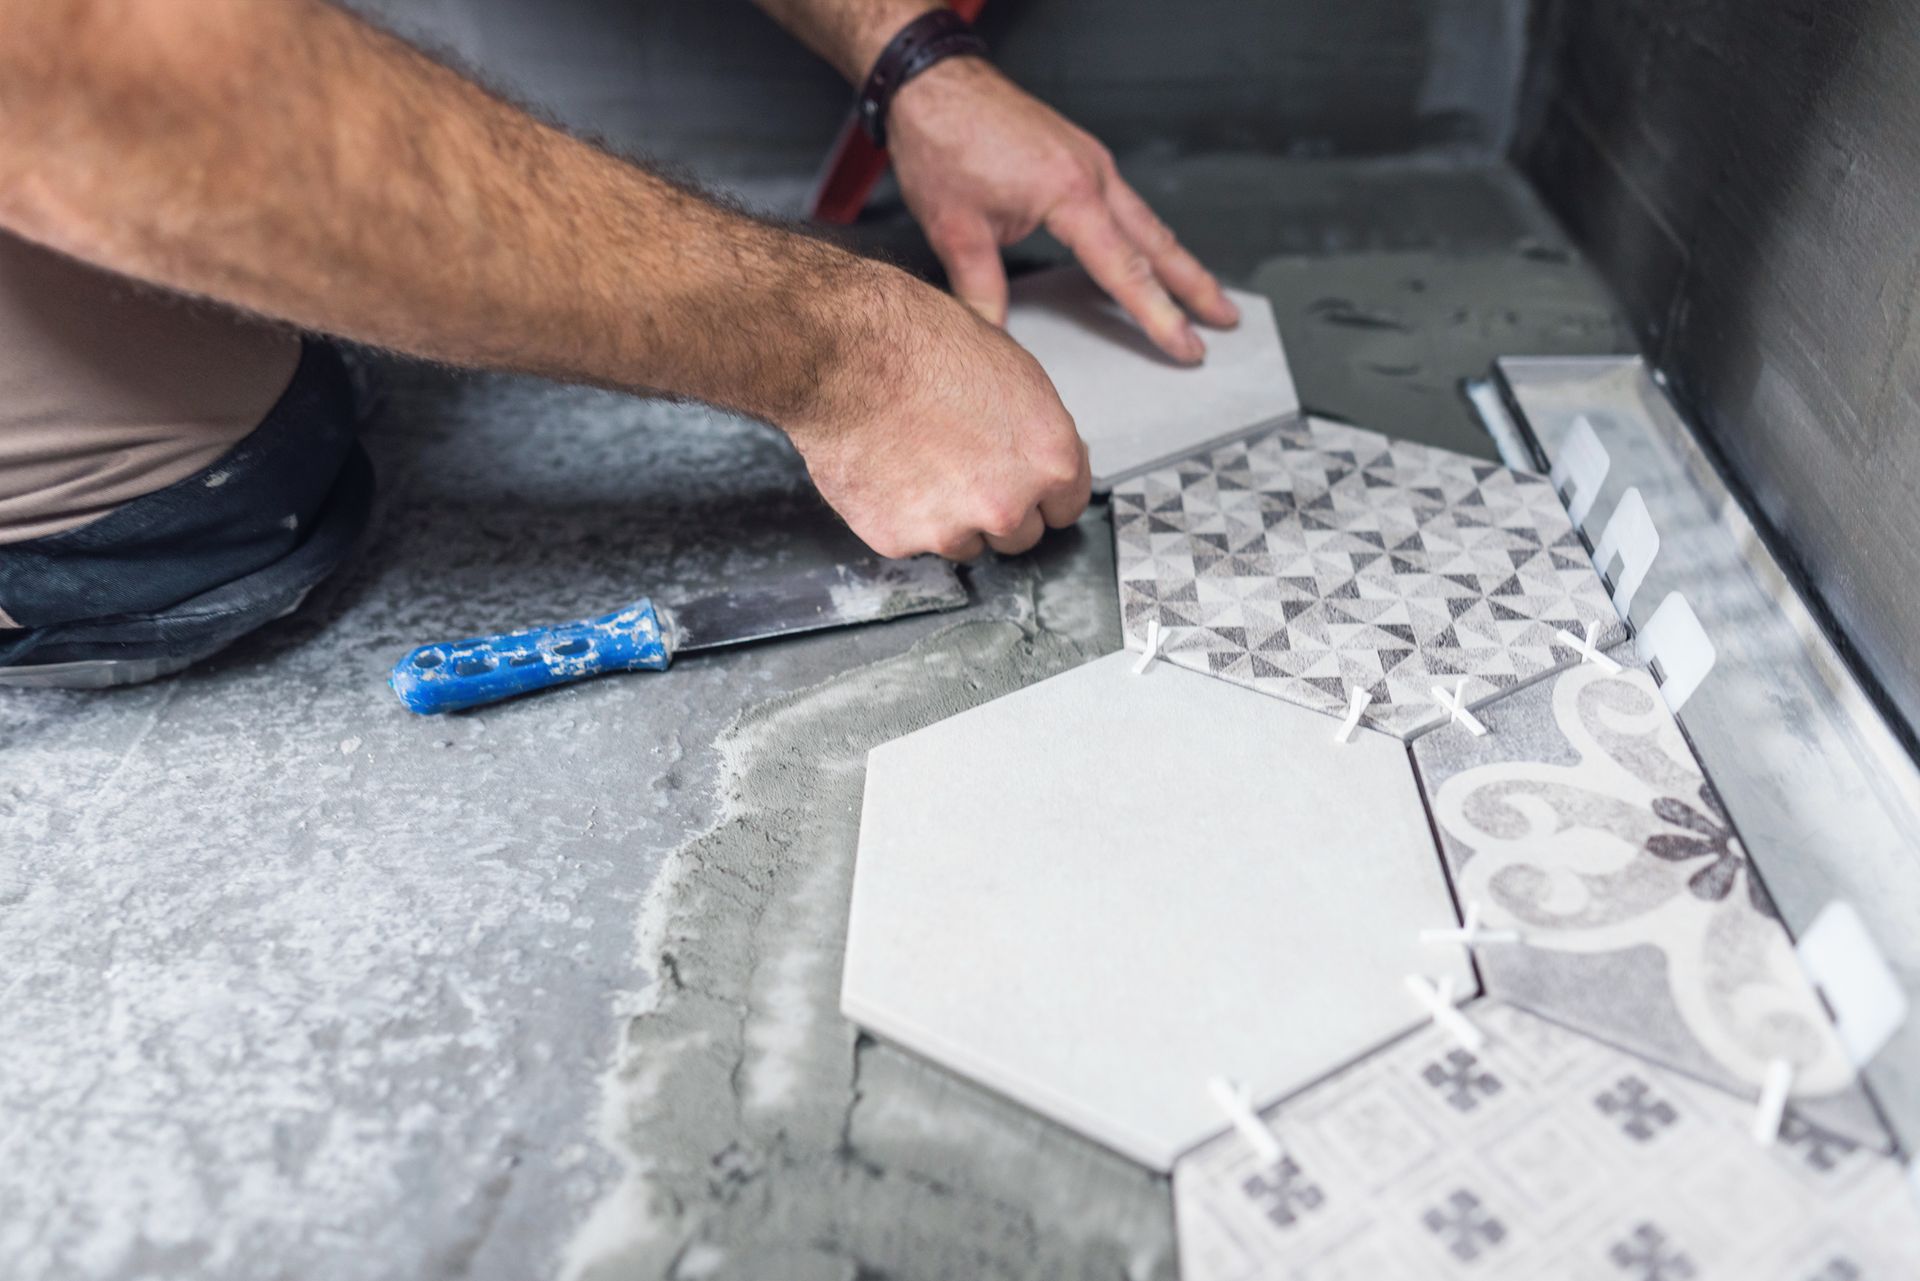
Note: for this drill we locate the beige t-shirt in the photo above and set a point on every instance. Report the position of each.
(110, 389)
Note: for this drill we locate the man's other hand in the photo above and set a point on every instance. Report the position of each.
(933, 431)
(984, 164)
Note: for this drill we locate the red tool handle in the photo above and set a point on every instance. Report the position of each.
(855, 164)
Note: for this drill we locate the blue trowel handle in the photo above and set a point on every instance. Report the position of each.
(461, 674)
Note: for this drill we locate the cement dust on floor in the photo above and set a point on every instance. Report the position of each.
(300, 985)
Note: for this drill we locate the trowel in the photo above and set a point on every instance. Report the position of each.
(646, 636)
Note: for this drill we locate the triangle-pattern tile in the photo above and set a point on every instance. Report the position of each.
(1318, 556)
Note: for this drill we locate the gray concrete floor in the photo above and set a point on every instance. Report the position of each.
(293, 984)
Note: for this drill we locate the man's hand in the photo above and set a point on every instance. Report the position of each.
(983, 164)
(933, 431)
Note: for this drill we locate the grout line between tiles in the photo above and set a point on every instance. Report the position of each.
(1233, 437)
(1446, 868)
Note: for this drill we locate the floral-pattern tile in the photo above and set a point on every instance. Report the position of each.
(1583, 820)
(1316, 557)
(1543, 1154)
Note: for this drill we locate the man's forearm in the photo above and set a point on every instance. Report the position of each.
(290, 159)
(848, 33)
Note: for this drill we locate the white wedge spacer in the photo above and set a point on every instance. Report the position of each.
(1630, 535)
(1580, 464)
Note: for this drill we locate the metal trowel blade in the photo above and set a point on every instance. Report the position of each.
(862, 591)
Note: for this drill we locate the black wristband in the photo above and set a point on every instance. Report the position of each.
(933, 36)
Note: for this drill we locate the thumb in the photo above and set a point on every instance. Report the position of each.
(971, 255)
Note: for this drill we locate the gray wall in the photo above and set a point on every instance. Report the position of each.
(715, 82)
(1748, 176)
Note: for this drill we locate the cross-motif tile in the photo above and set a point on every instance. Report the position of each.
(1821, 1150)
(1283, 1193)
(1640, 1112)
(1549, 1180)
(1372, 1129)
(1646, 1255)
(1461, 1080)
(1465, 1227)
(1541, 1158)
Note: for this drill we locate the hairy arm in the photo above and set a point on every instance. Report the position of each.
(983, 164)
(292, 160)
(848, 33)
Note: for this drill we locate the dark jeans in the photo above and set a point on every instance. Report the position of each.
(180, 572)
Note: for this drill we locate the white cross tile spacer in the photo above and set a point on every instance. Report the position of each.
(1470, 933)
(1773, 1102)
(1153, 647)
(1438, 1002)
(1589, 651)
(1456, 707)
(1357, 700)
(1233, 1100)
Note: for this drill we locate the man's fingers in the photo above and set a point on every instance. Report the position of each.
(1062, 505)
(1021, 539)
(1179, 270)
(962, 547)
(971, 255)
(1087, 228)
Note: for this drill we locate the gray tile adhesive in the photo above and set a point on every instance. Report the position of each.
(765, 1137)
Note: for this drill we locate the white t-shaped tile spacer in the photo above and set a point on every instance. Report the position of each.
(1233, 1100)
(1589, 651)
(1438, 1002)
(1456, 707)
(1471, 933)
(1153, 647)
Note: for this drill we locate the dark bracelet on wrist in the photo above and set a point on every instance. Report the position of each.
(932, 37)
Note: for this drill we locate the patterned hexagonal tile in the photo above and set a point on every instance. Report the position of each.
(1098, 893)
(1583, 820)
(1543, 1154)
(1317, 557)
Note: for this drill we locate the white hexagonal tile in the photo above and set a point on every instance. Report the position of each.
(1318, 557)
(1135, 408)
(1097, 893)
